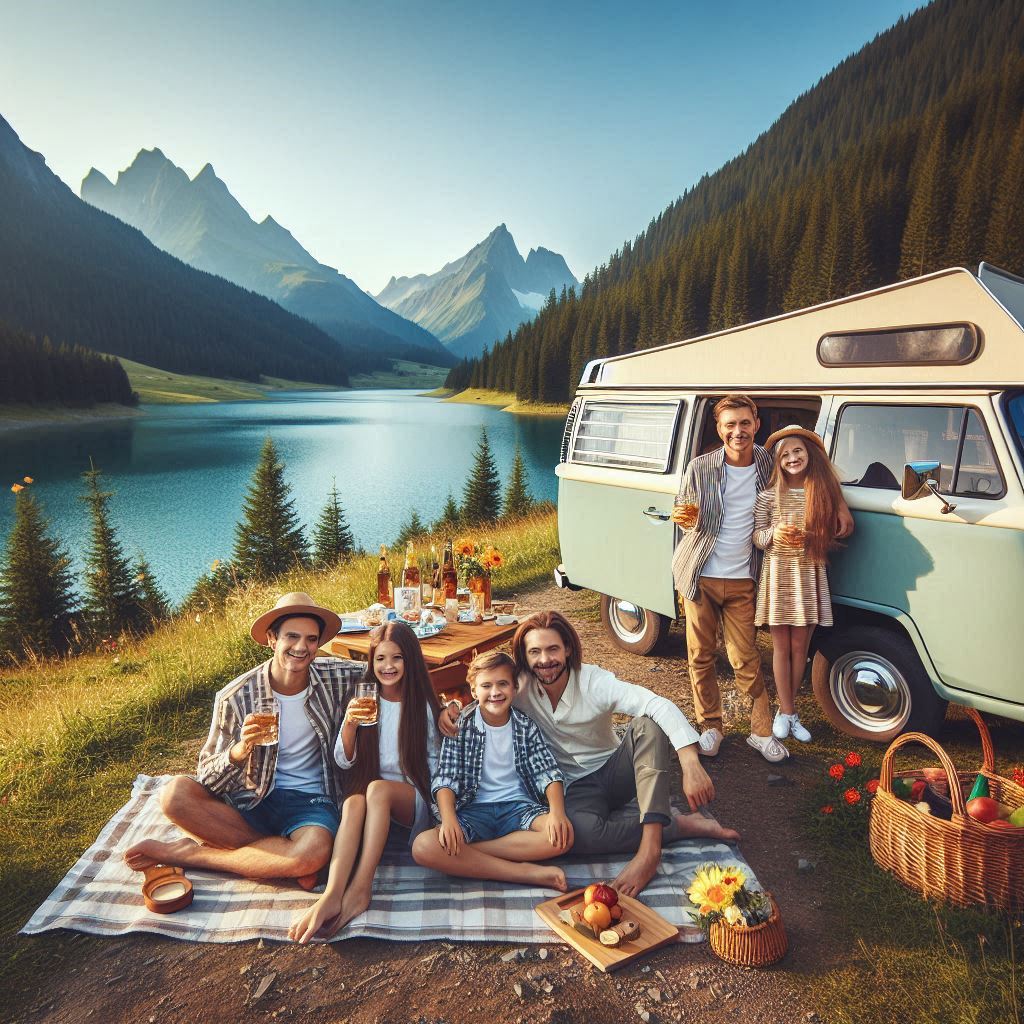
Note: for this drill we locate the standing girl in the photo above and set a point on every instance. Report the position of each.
(795, 522)
(389, 766)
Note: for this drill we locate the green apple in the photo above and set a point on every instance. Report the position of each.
(1017, 818)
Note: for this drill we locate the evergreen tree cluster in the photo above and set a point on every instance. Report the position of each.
(907, 158)
(39, 371)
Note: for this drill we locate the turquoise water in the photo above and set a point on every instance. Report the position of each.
(179, 473)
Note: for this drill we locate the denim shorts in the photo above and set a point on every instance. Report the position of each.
(482, 821)
(282, 811)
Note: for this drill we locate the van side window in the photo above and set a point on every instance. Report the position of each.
(874, 442)
(627, 435)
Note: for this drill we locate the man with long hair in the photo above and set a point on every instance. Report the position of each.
(266, 810)
(617, 791)
(716, 568)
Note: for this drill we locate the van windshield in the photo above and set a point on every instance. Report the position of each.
(1015, 414)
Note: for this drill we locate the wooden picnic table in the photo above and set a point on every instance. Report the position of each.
(447, 655)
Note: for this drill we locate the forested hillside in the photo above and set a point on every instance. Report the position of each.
(80, 276)
(908, 157)
(39, 371)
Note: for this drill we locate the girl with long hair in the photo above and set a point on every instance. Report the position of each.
(795, 522)
(388, 768)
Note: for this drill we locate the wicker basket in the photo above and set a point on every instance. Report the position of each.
(758, 946)
(961, 860)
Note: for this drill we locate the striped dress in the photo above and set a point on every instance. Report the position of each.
(794, 589)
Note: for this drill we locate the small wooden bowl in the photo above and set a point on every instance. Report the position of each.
(759, 946)
(166, 889)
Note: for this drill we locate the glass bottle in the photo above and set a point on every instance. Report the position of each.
(411, 572)
(449, 577)
(385, 588)
(437, 597)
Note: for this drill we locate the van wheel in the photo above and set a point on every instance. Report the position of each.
(631, 627)
(871, 685)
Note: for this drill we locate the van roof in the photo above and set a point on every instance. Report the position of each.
(783, 350)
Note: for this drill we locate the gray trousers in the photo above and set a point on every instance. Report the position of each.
(609, 807)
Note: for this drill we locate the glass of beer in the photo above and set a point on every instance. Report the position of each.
(689, 512)
(794, 537)
(366, 694)
(265, 714)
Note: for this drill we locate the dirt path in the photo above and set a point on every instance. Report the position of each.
(146, 978)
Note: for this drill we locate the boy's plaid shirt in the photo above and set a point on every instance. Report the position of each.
(462, 759)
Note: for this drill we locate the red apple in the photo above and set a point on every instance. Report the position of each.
(605, 894)
(999, 823)
(983, 808)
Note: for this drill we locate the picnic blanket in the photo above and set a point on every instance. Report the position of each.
(102, 896)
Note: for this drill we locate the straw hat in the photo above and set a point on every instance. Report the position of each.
(794, 430)
(296, 604)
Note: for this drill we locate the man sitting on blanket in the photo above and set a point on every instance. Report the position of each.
(573, 704)
(266, 811)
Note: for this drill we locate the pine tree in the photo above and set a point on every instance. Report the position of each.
(36, 590)
(269, 539)
(518, 500)
(155, 606)
(925, 233)
(113, 597)
(413, 527)
(483, 488)
(332, 538)
(451, 517)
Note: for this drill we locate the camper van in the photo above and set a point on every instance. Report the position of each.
(917, 389)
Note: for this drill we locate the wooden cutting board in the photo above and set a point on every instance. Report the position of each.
(655, 931)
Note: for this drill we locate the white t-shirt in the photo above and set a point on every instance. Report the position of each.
(499, 779)
(298, 751)
(730, 557)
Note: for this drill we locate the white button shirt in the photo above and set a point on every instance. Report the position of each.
(579, 730)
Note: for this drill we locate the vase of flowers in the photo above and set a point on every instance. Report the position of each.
(743, 925)
(476, 563)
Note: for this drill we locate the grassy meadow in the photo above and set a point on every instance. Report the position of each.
(505, 400)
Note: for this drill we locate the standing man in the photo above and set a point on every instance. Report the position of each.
(716, 567)
(266, 811)
(573, 704)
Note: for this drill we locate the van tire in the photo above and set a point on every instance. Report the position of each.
(888, 658)
(632, 628)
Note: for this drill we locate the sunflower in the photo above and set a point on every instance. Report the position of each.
(709, 891)
(734, 878)
(493, 558)
(464, 547)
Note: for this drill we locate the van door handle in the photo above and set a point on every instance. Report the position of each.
(653, 513)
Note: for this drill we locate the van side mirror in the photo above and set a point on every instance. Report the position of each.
(921, 479)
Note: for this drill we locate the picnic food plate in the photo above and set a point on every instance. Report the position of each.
(655, 931)
(425, 630)
(353, 626)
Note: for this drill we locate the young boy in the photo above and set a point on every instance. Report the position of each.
(491, 785)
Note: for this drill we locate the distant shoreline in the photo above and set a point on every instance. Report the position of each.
(25, 417)
(505, 400)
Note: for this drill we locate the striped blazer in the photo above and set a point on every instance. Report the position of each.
(331, 686)
(704, 482)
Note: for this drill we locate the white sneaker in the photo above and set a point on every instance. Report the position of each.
(780, 727)
(797, 729)
(768, 747)
(710, 741)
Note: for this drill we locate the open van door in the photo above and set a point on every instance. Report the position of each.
(616, 486)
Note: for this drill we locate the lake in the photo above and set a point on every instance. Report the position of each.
(179, 473)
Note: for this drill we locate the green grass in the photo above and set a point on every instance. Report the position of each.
(908, 959)
(505, 400)
(403, 374)
(74, 733)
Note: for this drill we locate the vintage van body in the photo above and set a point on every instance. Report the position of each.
(927, 601)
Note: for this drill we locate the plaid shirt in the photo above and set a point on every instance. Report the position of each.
(331, 685)
(704, 483)
(462, 759)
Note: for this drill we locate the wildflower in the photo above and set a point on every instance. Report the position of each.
(853, 759)
(1018, 775)
(827, 809)
(215, 565)
(140, 577)
(28, 480)
(837, 771)
(708, 890)
(734, 878)
(733, 915)
(852, 796)
(872, 786)
(17, 488)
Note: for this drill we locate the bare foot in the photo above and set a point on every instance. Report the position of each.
(692, 826)
(636, 874)
(308, 882)
(353, 903)
(545, 876)
(151, 851)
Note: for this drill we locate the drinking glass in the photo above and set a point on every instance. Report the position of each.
(476, 603)
(451, 609)
(795, 530)
(366, 693)
(265, 714)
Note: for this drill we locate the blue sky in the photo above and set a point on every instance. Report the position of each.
(390, 137)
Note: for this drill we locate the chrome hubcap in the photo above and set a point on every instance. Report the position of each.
(628, 620)
(870, 691)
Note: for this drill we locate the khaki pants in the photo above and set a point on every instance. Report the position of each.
(609, 807)
(730, 602)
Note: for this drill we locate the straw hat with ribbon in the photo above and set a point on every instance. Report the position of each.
(296, 604)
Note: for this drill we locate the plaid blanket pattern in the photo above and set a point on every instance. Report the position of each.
(102, 896)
